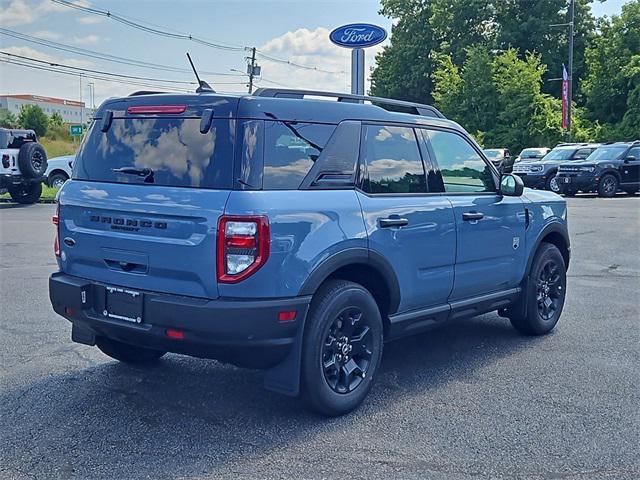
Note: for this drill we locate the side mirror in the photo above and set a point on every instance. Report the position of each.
(511, 185)
(630, 158)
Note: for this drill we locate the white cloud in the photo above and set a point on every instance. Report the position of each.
(313, 48)
(86, 40)
(90, 20)
(48, 35)
(23, 12)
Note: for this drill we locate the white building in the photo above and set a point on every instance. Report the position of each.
(71, 111)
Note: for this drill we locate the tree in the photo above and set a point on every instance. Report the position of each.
(612, 85)
(56, 120)
(7, 119)
(32, 117)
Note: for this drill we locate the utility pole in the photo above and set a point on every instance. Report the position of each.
(571, 26)
(252, 68)
(81, 108)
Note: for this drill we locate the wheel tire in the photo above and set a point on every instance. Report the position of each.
(547, 281)
(32, 160)
(332, 385)
(608, 186)
(26, 194)
(57, 180)
(552, 184)
(128, 353)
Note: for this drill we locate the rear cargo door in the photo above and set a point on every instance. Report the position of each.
(142, 208)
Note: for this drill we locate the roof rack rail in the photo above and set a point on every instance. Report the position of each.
(144, 92)
(568, 144)
(414, 108)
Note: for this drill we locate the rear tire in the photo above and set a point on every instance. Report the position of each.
(608, 185)
(32, 160)
(26, 194)
(342, 348)
(128, 353)
(545, 293)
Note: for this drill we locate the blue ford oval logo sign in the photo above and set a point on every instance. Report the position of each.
(358, 35)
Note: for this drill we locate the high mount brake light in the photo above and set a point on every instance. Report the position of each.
(56, 221)
(243, 246)
(156, 109)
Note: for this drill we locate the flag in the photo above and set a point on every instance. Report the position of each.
(565, 98)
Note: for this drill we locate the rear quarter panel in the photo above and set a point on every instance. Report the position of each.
(307, 227)
(545, 208)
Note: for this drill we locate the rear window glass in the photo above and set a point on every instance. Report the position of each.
(16, 139)
(290, 149)
(173, 149)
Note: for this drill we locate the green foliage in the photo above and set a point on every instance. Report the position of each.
(56, 120)
(612, 86)
(32, 117)
(7, 119)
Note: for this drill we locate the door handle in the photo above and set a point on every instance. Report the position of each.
(470, 216)
(393, 222)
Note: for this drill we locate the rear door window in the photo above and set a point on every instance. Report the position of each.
(290, 150)
(392, 160)
(172, 148)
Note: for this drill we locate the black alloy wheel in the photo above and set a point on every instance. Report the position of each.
(345, 355)
(549, 290)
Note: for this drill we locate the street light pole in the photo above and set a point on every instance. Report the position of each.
(571, 26)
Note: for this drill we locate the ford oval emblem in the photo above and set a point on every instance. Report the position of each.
(358, 35)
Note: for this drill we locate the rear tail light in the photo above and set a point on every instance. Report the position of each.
(56, 221)
(5, 161)
(243, 246)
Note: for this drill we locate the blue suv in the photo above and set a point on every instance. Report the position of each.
(289, 233)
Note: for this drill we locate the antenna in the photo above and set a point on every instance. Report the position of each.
(202, 85)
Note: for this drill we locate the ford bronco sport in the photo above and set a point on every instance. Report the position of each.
(24, 162)
(294, 234)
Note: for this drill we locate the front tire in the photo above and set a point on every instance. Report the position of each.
(128, 353)
(545, 293)
(57, 180)
(342, 348)
(608, 186)
(26, 194)
(552, 184)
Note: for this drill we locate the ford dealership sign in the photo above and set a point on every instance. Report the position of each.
(358, 35)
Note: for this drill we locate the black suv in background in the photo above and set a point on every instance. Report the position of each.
(612, 167)
(541, 173)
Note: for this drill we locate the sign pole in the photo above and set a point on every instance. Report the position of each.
(357, 71)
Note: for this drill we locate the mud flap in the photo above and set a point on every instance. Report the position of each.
(83, 335)
(518, 309)
(284, 378)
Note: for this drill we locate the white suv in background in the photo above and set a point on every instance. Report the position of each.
(59, 170)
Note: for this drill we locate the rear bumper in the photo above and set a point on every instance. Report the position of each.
(244, 332)
(9, 180)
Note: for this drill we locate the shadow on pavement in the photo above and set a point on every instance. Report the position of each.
(188, 416)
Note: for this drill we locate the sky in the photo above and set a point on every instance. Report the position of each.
(290, 31)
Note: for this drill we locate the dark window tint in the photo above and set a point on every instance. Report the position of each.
(290, 149)
(392, 159)
(251, 161)
(634, 152)
(462, 168)
(583, 153)
(173, 148)
(16, 139)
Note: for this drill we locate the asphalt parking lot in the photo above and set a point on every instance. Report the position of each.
(471, 399)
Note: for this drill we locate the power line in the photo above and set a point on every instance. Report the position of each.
(140, 26)
(166, 32)
(102, 56)
(89, 70)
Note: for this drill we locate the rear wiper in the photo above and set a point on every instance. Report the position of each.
(145, 173)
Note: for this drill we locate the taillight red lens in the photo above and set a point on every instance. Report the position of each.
(56, 221)
(243, 246)
(5, 161)
(156, 109)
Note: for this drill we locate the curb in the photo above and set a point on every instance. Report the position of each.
(46, 200)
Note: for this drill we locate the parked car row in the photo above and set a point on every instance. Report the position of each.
(570, 168)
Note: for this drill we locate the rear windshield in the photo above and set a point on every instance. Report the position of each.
(160, 151)
(15, 139)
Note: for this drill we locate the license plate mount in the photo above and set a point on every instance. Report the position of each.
(123, 304)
